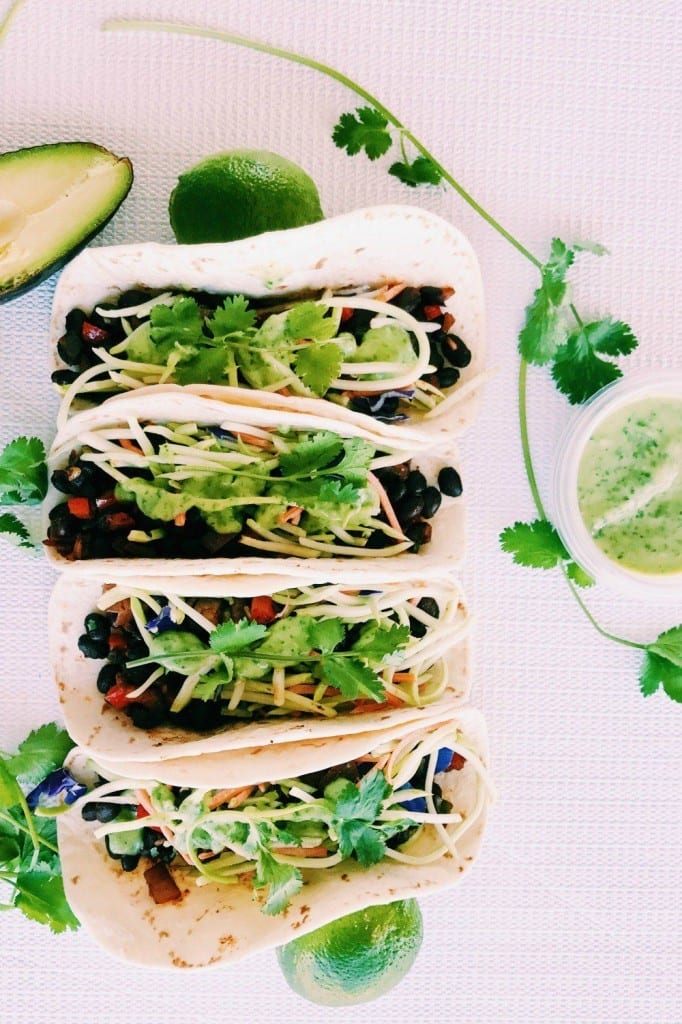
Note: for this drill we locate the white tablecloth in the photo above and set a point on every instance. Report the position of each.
(562, 118)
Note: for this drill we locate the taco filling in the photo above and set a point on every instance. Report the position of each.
(381, 352)
(150, 490)
(202, 663)
(391, 804)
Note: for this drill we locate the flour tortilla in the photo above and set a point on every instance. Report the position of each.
(109, 734)
(358, 250)
(215, 924)
(444, 552)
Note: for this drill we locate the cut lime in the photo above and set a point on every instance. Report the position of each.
(241, 193)
(356, 958)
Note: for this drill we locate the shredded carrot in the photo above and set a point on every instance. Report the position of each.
(308, 688)
(180, 519)
(221, 797)
(292, 515)
(131, 446)
(448, 321)
(256, 442)
(389, 292)
(385, 503)
(403, 677)
(391, 702)
(284, 391)
(239, 798)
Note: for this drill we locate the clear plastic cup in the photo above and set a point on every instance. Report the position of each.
(568, 520)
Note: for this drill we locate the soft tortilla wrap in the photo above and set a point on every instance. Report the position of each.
(358, 250)
(107, 733)
(445, 551)
(216, 924)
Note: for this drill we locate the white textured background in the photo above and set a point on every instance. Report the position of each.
(562, 118)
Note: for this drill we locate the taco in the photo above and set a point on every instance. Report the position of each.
(182, 877)
(379, 311)
(145, 479)
(151, 669)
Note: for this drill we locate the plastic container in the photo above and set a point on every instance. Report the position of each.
(659, 587)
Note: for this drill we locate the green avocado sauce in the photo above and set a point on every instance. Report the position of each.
(630, 486)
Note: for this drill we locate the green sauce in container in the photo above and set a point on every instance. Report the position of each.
(630, 485)
(618, 486)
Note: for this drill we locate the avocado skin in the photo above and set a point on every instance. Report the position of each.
(19, 288)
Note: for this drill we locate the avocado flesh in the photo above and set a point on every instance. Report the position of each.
(54, 199)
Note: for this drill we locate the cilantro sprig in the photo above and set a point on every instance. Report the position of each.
(29, 855)
(23, 481)
(356, 809)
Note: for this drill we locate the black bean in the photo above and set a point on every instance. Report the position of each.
(419, 533)
(89, 812)
(430, 606)
(134, 297)
(74, 480)
(377, 539)
(450, 482)
(74, 320)
(396, 488)
(436, 358)
(410, 507)
(129, 861)
(448, 377)
(62, 377)
(417, 628)
(432, 500)
(107, 677)
(362, 405)
(138, 675)
(105, 812)
(97, 626)
(432, 296)
(456, 352)
(92, 648)
(137, 648)
(146, 716)
(70, 348)
(408, 299)
(149, 838)
(416, 482)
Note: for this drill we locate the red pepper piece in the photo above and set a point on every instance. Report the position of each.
(448, 321)
(162, 888)
(262, 610)
(346, 313)
(457, 763)
(118, 694)
(93, 334)
(141, 812)
(106, 501)
(117, 521)
(80, 508)
(432, 312)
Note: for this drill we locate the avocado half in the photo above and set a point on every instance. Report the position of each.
(53, 200)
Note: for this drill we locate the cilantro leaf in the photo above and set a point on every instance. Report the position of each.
(10, 793)
(367, 843)
(283, 882)
(357, 458)
(287, 638)
(13, 527)
(180, 322)
(318, 366)
(421, 171)
(233, 317)
(352, 677)
(325, 634)
(378, 642)
(206, 367)
(535, 544)
(669, 645)
(40, 897)
(235, 636)
(309, 320)
(364, 801)
(312, 454)
(42, 752)
(658, 671)
(23, 472)
(578, 371)
(578, 575)
(365, 129)
(545, 330)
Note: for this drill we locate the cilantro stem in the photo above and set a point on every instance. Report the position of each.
(525, 439)
(116, 25)
(29, 828)
(603, 632)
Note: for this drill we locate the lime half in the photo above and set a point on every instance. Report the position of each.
(356, 958)
(241, 193)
